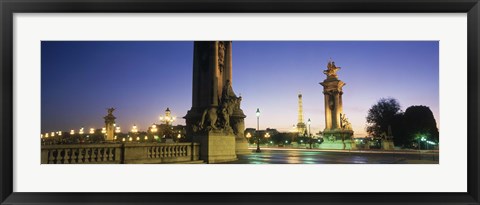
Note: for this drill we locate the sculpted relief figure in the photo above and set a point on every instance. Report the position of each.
(209, 115)
(331, 71)
(345, 124)
(221, 55)
(110, 110)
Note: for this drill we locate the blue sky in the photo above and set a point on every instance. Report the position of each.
(141, 79)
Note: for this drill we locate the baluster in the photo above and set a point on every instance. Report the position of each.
(104, 154)
(59, 156)
(86, 155)
(113, 154)
(77, 156)
(162, 151)
(66, 159)
(97, 154)
(51, 158)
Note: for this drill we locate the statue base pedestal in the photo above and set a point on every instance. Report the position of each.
(241, 146)
(332, 139)
(387, 145)
(216, 147)
(337, 144)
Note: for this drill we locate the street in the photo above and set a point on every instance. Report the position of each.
(305, 156)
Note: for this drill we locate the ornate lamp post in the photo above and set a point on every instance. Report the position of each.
(134, 132)
(310, 137)
(258, 128)
(267, 135)
(248, 136)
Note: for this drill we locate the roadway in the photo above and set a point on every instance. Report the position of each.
(315, 156)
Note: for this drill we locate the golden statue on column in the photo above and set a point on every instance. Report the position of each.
(338, 131)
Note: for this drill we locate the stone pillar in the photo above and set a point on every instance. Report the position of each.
(109, 121)
(335, 136)
(215, 116)
(328, 112)
(336, 117)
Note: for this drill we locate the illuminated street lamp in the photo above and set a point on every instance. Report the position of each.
(258, 128)
(309, 122)
(72, 132)
(248, 136)
(52, 134)
(153, 129)
(80, 131)
(46, 135)
(134, 129)
(104, 130)
(267, 135)
(92, 131)
(59, 133)
(117, 130)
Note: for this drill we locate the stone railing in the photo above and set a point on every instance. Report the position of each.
(129, 153)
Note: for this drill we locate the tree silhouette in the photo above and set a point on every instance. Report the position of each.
(419, 122)
(382, 115)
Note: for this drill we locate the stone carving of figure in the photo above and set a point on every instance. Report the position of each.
(110, 110)
(221, 55)
(331, 71)
(210, 115)
(227, 92)
(226, 115)
(345, 124)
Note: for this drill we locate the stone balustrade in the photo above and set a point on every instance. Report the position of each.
(128, 153)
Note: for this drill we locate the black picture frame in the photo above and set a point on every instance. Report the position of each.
(9, 7)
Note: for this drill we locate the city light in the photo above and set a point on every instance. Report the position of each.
(92, 131)
(130, 139)
(117, 129)
(52, 134)
(146, 137)
(81, 131)
(41, 135)
(72, 132)
(249, 135)
(104, 130)
(138, 138)
(115, 137)
(59, 133)
(134, 129)
(154, 128)
(179, 136)
(267, 135)
(123, 139)
(46, 135)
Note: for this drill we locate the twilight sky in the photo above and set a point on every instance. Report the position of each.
(141, 79)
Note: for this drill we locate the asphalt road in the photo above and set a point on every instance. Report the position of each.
(284, 156)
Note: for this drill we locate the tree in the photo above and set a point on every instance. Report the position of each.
(420, 122)
(381, 116)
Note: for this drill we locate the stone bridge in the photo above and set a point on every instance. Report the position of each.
(126, 153)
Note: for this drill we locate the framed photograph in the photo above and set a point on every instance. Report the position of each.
(239, 102)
